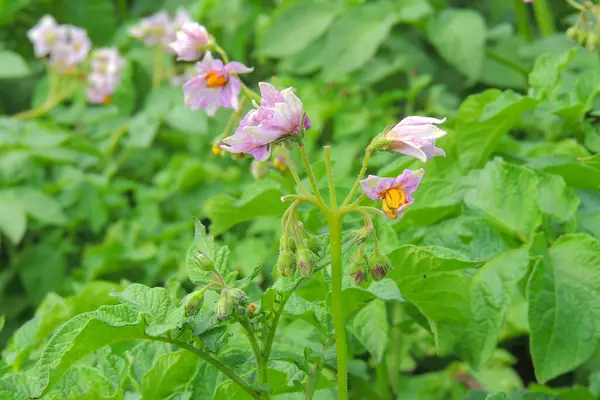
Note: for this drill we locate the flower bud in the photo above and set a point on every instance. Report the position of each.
(572, 32)
(193, 302)
(238, 296)
(592, 41)
(359, 236)
(224, 308)
(314, 244)
(259, 169)
(306, 261)
(379, 265)
(251, 308)
(358, 268)
(204, 262)
(286, 263)
(287, 243)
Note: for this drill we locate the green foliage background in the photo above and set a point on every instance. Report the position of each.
(496, 285)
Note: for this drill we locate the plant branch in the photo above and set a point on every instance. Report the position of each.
(293, 171)
(213, 361)
(261, 364)
(361, 174)
(309, 171)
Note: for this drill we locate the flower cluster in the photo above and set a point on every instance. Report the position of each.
(105, 75)
(160, 29)
(67, 45)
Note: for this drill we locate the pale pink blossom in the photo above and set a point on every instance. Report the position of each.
(415, 137)
(395, 194)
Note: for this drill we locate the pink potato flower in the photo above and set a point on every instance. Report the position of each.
(415, 137)
(106, 66)
(43, 36)
(279, 115)
(192, 38)
(216, 85)
(395, 194)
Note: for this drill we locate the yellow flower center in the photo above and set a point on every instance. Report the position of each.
(107, 100)
(216, 149)
(214, 80)
(279, 165)
(392, 200)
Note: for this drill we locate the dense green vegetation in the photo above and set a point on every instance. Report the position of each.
(153, 248)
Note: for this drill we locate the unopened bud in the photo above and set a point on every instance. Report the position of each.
(306, 261)
(358, 267)
(251, 308)
(314, 244)
(204, 262)
(572, 32)
(224, 308)
(379, 266)
(359, 236)
(592, 41)
(287, 243)
(279, 162)
(238, 296)
(259, 169)
(286, 263)
(581, 36)
(193, 302)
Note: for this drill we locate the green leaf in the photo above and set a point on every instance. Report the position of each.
(40, 206)
(42, 269)
(564, 294)
(2, 321)
(413, 10)
(185, 120)
(85, 382)
(521, 395)
(433, 279)
(354, 38)
(576, 173)
(229, 390)
(13, 221)
(555, 198)
(142, 357)
(155, 304)
(12, 65)
(459, 37)
(204, 382)
(296, 27)
(168, 373)
(370, 326)
(18, 386)
(83, 335)
(435, 200)
(143, 127)
(587, 87)
(262, 200)
(507, 195)
(483, 120)
(491, 290)
(545, 78)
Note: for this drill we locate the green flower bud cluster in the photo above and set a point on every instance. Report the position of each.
(204, 262)
(233, 300)
(302, 257)
(193, 302)
(359, 236)
(377, 265)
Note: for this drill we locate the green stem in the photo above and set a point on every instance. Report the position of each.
(250, 93)
(522, 17)
(330, 182)
(335, 235)
(544, 18)
(509, 63)
(231, 374)
(363, 169)
(115, 138)
(383, 382)
(293, 170)
(396, 333)
(261, 364)
(158, 67)
(271, 336)
(313, 380)
(311, 176)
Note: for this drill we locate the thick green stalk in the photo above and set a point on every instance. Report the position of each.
(522, 18)
(363, 169)
(544, 18)
(335, 235)
(158, 67)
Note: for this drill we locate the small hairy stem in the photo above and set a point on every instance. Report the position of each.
(396, 335)
(55, 97)
(231, 374)
(330, 182)
(269, 340)
(313, 379)
(250, 93)
(293, 171)
(544, 18)
(232, 119)
(261, 363)
(507, 62)
(383, 382)
(309, 171)
(158, 67)
(361, 174)
(115, 138)
(221, 52)
(335, 234)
